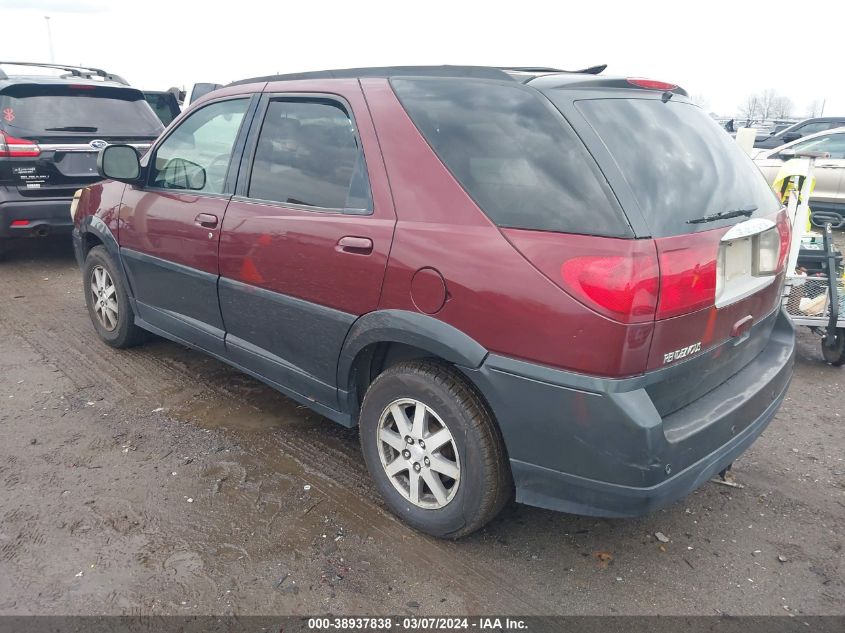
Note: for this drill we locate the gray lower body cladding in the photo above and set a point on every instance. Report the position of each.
(601, 447)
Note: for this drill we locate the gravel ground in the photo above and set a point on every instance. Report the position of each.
(159, 481)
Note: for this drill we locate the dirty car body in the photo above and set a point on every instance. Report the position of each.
(624, 349)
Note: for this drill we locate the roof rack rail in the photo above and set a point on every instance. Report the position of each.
(592, 70)
(477, 72)
(86, 72)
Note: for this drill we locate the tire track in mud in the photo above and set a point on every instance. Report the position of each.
(50, 315)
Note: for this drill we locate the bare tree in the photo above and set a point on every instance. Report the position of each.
(768, 98)
(764, 106)
(750, 109)
(782, 107)
(814, 109)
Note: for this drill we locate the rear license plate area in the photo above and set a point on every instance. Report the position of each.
(77, 163)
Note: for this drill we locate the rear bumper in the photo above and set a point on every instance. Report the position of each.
(42, 217)
(599, 447)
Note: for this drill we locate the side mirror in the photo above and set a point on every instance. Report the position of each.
(791, 136)
(180, 173)
(119, 162)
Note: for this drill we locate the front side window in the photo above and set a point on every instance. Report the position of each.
(308, 154)
(833, 145)
(195, 157)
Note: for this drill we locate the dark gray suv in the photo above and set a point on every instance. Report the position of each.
(51, 128)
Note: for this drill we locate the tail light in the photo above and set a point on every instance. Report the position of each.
(636, 281)
(623, 287)
(687, 273)
(11, 147)
(617, 278)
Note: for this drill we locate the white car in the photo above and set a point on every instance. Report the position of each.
(829, 194)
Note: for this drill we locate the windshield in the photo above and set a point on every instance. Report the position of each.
(679, 163)
(37, 110)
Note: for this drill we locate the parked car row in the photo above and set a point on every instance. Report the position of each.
(798, 130)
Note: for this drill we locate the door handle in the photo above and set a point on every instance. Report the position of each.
(206, 220)
(356, 245)
(828, 165)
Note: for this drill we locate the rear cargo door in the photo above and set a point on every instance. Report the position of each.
(52, 133)
(720, 277)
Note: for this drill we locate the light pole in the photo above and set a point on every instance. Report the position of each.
(50, 39)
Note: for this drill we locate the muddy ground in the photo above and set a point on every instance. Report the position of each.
(159, 481)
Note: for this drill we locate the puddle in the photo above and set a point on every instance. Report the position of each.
(271, 412)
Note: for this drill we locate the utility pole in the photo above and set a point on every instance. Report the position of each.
(824, 101)
(50, 39)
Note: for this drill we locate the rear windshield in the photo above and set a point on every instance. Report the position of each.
(37, 110)
(514, 155)
(679, 163)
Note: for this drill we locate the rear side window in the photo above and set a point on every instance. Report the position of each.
(514, 154)
(308, 154)
(678, 162)
(65, 110)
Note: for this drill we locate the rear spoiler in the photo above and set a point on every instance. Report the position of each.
(592, 70)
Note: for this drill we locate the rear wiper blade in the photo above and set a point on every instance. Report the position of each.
(72, 128)
(724, 215)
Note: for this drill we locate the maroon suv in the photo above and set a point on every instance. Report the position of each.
(558, 284)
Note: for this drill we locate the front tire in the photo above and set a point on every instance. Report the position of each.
(107, 301)
(434, 450)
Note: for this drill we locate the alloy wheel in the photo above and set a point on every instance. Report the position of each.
(104, 298)
(418, 454)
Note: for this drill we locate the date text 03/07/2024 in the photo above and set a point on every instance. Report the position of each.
(483, 624)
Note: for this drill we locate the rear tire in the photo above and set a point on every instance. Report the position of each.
(107, 301)
(462, 476)
(835, 355)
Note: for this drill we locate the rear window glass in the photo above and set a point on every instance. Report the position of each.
(36, 110)
(679, 163)
(514, 154)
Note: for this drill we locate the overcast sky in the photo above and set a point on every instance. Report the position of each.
(719, 51)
